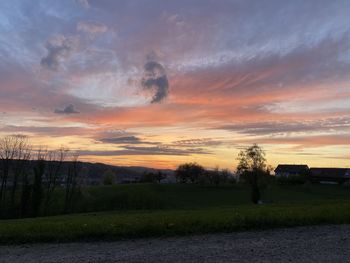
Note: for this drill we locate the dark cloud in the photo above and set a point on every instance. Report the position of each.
(133, 145)
(122, 140)
(67, 110)
(156, 79)
(58, 48)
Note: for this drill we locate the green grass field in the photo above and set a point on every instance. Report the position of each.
(187, 196)
(167, 210)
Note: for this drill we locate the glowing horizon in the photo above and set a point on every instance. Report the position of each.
(158, 83)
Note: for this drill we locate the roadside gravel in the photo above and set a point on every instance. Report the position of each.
(302, 244)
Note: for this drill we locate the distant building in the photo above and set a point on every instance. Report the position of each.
(337, 175)
(286, 170)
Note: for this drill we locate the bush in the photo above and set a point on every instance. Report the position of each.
(217, 177)
(189, 172)
(151, 177)
(108, 177)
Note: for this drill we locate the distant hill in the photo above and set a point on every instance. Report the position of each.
(124, 174)
(93, 173)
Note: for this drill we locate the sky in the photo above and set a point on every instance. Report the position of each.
(160, 82)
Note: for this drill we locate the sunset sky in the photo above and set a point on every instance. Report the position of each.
(157, 82)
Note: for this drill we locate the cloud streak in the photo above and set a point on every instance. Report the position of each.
(132, 150)
(272, 128)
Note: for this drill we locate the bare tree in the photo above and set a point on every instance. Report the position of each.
(8, 151)
(26, 190)
(72, 183)
(55, 161)
(22, 156)
(39, 170)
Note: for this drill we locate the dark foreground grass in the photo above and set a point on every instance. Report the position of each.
(188, 196)
(140, 224)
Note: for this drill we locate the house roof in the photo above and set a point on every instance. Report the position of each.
(291, 168)
(330, 172)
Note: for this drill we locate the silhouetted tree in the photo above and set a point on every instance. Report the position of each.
(251, 167)
(152, 177)
(159, 176)
(147, 177)
(39, 170)
(72, 183)
(217, 177)
(189, 172)
(26, 192)
(55, 161)
(20, 164)
(108, 177)
(8, 151)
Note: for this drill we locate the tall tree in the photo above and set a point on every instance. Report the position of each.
(26, 191)
(251, 166)
(23, 154)
(72, 182)
(39, 170)
(55, 161)
(8, 151)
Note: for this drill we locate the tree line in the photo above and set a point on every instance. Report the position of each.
(252, 170)
(29, 177)
(195, 173)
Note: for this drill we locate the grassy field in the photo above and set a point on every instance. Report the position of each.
(181, 210)
(179, 196)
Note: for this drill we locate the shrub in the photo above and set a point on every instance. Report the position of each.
(292, 179)
(151, 177)
(189, 172)
(108, 177)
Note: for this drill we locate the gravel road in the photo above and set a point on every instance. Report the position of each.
(302, 244)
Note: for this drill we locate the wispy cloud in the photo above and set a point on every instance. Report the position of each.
(92, 28)
(83, 3)
(279, 127)
(58, 48)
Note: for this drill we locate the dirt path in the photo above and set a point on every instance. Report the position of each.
(303, 244)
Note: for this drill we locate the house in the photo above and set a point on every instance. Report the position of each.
(337, 175)
(286, 170)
